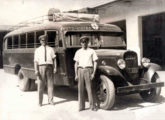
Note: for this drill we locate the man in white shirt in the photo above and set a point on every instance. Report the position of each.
(85, 68)
(45, 66)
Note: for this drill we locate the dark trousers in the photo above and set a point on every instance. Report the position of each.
(84, 75)
(45, 78)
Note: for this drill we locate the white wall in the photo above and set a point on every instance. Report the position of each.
(131, 12)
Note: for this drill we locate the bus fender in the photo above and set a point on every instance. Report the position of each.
(151, 70)
(109, 71)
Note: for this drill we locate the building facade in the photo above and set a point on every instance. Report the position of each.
(143, 22)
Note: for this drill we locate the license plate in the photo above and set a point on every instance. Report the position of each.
(132, 70)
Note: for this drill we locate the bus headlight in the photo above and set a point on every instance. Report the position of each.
(145, 62)
(121, 63)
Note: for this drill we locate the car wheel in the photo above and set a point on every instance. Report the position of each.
(23, 81)
(152, 94)
(106, 93)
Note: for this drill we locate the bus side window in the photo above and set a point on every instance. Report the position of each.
(9, 43)
(68, 39)
(15, 41)
(51, 38)
(30, 40)
(23, 41)
(38, 33)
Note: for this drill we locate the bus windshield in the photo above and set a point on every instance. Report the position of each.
(102, 39)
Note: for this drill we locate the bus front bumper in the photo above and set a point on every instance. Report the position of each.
(138, 88)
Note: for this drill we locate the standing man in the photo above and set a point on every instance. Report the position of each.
(85, 68)
(44, 66)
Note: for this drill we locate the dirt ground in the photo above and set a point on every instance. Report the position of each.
(18, 105)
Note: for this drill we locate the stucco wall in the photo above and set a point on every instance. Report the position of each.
(131, 12)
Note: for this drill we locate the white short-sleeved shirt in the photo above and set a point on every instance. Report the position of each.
(85, 58)
(39, 55)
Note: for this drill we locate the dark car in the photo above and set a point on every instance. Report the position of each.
(118, 71)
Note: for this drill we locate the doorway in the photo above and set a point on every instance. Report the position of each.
(153, 36)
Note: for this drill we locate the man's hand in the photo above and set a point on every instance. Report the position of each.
(55, 70)
(76, 78)
(92, 76)
(36, 73)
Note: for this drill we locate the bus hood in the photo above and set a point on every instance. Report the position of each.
(110, 52)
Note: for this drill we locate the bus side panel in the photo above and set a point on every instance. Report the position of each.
(9, 69)
(16, 59)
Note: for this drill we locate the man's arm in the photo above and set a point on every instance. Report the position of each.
(94, 70)
(55, 65)
(76, 71)
(36, 68)
(53, 55)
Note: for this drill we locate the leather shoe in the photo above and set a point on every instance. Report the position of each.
(51, 103)
(81, 110)
(94, 109)
(39, 105)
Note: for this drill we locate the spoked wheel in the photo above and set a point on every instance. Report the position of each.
(23, 81)
(106, 93)
(152, 94)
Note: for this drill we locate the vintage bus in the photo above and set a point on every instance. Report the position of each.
(117, 73)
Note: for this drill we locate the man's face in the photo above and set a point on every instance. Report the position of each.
(84, 44)
(43, 41)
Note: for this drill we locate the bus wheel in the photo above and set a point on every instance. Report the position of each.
(106, 93)
(23, 81)
(32, 85)
(152, 94)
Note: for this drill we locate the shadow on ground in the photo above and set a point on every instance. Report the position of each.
(134, 102)
(66, 93)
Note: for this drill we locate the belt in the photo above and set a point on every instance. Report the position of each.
(46, 65)
(85, 67)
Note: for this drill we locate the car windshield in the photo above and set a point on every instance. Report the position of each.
(99, 39)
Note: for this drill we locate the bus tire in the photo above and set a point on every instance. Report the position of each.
(23, 81)
(152, 94)
(106, 93)
(33, 85)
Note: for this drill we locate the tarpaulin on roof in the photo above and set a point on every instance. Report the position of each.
(75, 17)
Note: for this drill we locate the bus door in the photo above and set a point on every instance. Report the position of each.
(56, 43)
